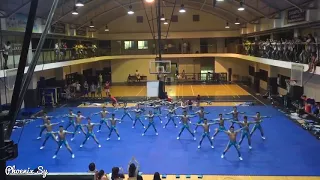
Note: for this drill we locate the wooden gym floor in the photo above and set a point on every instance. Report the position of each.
(231, 90)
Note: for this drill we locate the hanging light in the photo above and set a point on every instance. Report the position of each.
(165, 22)
(220, 0)
(241, 8)
(75, 12)
(79, 3)
(130, 12)
(182, 10)
(149, 1)
(237, 22)
(106, 29)
(91, 24)
(162, 18)
(227, 25)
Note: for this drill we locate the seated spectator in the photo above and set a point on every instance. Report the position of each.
(134, 169)
(101, 175)
(115, 174)
(92, 168)
(156, 176)
(315, 109)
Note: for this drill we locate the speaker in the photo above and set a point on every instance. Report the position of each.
(273, 85)
(31, 98)
(229, 74)
(295, 92)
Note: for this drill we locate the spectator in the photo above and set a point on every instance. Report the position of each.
(5, 54)
(93, 90)
(101, 175)
(138, 76)
(115, 174)
(156, 176)
(134, 169)
(92, 168)
(86, 88)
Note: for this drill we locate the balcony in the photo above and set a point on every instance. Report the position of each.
(52, 58)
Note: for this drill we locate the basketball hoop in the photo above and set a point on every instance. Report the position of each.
(290, 83)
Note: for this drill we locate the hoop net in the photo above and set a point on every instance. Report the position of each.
(297, 74)
(157, 67)
(290, 83)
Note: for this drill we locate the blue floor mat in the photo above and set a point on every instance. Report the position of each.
(288, 149)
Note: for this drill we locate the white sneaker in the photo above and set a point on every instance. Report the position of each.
(176, 126)
(41, 147)
(263, 137)
(178, 138)
(108, 139)
(250, 147)
(72, 139)
(161, 122)
(142, 134)
(212, 138)
(222, 156)
(54, 156)
(99, 145)
(199, 147)
(98, 131)
(81, 145)
(118, 138)
(144, 127)
(194, 138)
(79, 132)
(72, 155)
(240, 158)
(39, 137)
(212, 147)
(60, 147)
(157, 134)
(239, 146)
(164, 127)
(194, 131)
(132, 127)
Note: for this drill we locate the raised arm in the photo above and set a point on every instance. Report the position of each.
(229, 113)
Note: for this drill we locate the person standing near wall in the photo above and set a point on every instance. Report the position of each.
(7, 48)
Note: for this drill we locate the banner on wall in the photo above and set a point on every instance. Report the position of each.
(58, 28)
(18, 22)
(295, 15)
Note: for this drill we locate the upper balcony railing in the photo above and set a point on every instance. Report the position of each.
(294, 52)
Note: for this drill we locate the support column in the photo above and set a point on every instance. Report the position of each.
(273, 80)
(256, 79)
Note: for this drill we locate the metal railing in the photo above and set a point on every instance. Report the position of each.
(297, 52)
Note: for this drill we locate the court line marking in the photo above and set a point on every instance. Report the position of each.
(227, 86)
(140, 90)
(192, 89)
(205, 91)
(252, 96)
(224, 86)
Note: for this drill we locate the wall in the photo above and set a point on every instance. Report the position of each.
(120, 69)
(208, 26)
(239, 67)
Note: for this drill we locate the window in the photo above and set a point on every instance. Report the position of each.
(128, 44)
(142, 44)
(196, 18)
(139, 19)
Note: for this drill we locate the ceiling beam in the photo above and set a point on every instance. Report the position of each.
(251, 8)
(293, 4)
(270, 4)
(18, 9)
(222, 9)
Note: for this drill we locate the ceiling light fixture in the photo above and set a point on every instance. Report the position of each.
(91, 24)
(165, 22)
(162, 18)
(220, 0)
(182, 10)
(79, 3)
(237, 22)
(130, 12)
(227, 25)
(149, 1)
(241, 8)
(75, 12)
(106, 29)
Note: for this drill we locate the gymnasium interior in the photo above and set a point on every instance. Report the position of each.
(87, 55)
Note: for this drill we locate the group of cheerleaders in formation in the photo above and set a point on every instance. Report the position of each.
(139, 115)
